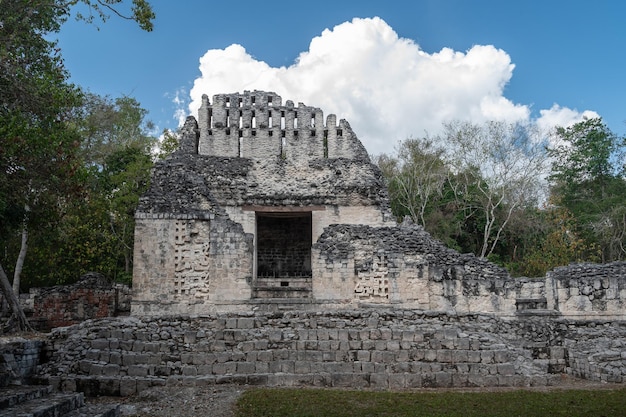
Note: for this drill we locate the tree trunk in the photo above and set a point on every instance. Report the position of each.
(21, 323)
(19, 265)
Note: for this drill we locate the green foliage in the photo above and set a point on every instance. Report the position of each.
(78, 243)
(588, 180)
(37, 149)
(95, 231)
(503, 164)
(422, 187)
(418, 178)
(168, 144)
(37, 144)
(559, 246)
(588, 151)
(470, 189)
(106, 124)
(342, 403)
(141, 11)
(33, 83)
(44, 186)
(478, 191)
(126, 176)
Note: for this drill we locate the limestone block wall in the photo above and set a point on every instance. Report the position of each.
(208, 265)
(598, 351)
(404, 265)
(367, 348)
(588, 290)
(190, 265)
(92, 297)
(257, 125)
(531, 295)
(19, 359)
(63, 308)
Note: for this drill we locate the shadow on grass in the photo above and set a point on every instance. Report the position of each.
(340, 403)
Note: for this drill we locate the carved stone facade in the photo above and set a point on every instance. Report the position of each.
(232, 216)
(268, 205)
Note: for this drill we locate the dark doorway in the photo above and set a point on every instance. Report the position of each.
(283, 255)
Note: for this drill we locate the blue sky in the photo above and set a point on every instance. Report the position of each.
(393, 69)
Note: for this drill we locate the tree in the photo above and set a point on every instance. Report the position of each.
(37, 144)
(418, 177)
(117, 142)
(94, 231)
(36, 151)
(141, 11)
(502, 163)
(128, 176)
(168, 144)
(422, 186)
(560, 245)
(587, 179)
(107, 125)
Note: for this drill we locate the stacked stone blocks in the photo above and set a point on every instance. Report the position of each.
(257, 125)
(368, 349)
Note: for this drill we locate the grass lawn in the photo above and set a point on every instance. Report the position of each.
(339, 403)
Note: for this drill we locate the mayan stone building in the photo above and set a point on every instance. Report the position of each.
(232, 216)
(268, 205)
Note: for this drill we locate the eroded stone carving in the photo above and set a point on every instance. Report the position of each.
(191, 260)
(373, 284)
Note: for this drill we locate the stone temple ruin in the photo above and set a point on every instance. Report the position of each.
(266, 254)
(267, 205)
(236, 217)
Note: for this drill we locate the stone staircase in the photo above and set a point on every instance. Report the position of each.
(41, 401)
(286, 287)
(533, 306)
(18, 360)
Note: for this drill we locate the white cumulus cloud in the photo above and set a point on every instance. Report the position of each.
(387, 87)
(562, 116)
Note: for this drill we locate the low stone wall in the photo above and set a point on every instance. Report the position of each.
(379, 349)
(19, 359)
(63, 305)
(588, 290)
(598, 351)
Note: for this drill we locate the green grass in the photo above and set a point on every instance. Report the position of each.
(340, 403)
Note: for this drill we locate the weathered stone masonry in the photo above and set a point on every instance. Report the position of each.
(231, 217)
(266, 204)
(93, 296)
(367, 348)
(266, 253)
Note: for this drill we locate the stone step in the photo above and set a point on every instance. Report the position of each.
(523, 304)
(41, 401)
(51, 405)
(96, 410)
(17, 394)
(537, 312)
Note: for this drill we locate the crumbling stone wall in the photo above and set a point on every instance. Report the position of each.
(92, 297)
(201, 263)
(257, 125)
(588, 290)
(249, 157)
(403, 264)
(19, 359)
(373, 348)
